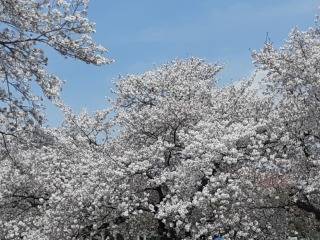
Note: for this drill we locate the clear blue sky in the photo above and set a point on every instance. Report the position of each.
(142, 33)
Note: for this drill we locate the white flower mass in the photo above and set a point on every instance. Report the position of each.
(175, 157)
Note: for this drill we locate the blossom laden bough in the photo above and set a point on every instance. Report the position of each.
(27, 28)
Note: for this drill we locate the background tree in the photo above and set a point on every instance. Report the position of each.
(293, 77)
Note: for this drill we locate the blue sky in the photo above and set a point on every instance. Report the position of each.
(143, 33)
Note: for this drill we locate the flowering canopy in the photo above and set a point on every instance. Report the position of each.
(176, 157)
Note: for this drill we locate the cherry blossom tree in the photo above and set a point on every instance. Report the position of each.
(27, 28)
(293, 77)
(152, 110)
(181, 134)
(34, 160)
